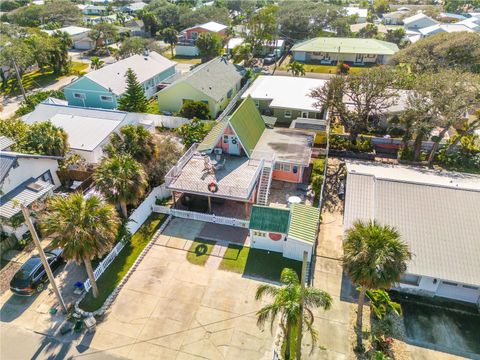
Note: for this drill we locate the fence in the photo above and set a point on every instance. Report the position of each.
(171, 122)
(234, 101)
(192, 215)
(176, 170)
(135, 220)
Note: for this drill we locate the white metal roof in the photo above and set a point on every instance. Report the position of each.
(416, 17)
(353, 10)
(211, 26)
(145, 67)
(444, 28)
(436, 213)
(286, 92)
(70, 30)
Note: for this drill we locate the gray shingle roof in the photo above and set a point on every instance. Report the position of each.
(437, 215)
(214, 78)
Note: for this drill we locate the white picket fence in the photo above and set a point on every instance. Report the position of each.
(135, 220)
(192, 215)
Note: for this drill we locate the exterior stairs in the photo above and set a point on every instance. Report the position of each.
(264, 186)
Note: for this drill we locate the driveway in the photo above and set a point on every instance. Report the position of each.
(171, 309)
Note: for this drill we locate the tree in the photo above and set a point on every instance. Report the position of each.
(164, 13)
(456, 6)
(134, 140)
(102, 33)
(381, 304)
(192, 132)
(358, 99)
(369, 31)
(15, 129)
(297, 69)
(46, 139)
(195, 109)
(374, 258)
(209, 45)
(96, 63)
(458, 50)
(63, 12)
(242, 53)
(262, 27)
(17, 52)
(381, 6)
(132, 45)
(85, 228)
(36, 98)
(60, 59)
(169, 35)
(133, 99)
(122, 180)
(168, 153)
(286, 305)
(190, 17)
(149, 21)
(396, 36)
(27, 16)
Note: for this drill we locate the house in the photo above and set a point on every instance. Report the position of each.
(359, 14)
(358, 52)
(394, 17)
(215, 83)
(290, 231)
(24, 179)
(94, 10)
(436, 214)
(472, 23)
(136, 27)
(103, 87)
(271, 98)
(188, 37)
(382, 29)
(418, 21)
(276, 47)
(134, 7)
(79, 36)
(238, 160)
(88, 129)
(441, 28)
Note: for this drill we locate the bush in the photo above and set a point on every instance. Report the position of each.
(466, 156)
(35, 99)
(195, 109)
(341, 143)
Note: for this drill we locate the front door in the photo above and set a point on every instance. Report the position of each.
(359, 59)
(233, 145)
(305, 114)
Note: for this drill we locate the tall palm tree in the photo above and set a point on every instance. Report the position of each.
(286, 304)
(297, 69)
(374, 258)
(84, 228)
(121, 179)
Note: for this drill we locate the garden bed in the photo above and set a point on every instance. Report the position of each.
(352, 154)
(109, 280)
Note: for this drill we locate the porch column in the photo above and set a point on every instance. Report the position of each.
(209, 204)
(246, 210)
(174, 199)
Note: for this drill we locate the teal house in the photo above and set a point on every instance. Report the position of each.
(103, 87)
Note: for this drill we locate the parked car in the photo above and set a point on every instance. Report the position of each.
(269, 59)
(32, 277)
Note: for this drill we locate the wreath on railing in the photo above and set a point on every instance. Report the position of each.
(213, 187)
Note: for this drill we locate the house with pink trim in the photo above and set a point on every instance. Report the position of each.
(188, 37)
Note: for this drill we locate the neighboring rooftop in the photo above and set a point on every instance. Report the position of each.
(9, 159)
(5, 142)
(353, 10)
(112, 76)
(304, 223)
(136, 6)
(420, 16)
(309, 124)
(70, 30)
(436, 213)
(347, 45)
(449, 28)
(273, 88)
(210, 26)
(271, 219)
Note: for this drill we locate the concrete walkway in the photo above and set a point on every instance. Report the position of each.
(217, 254)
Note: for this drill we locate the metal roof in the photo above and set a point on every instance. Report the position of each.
(304, 223)
(213, 136)
(23, 194)
(436, 213)
(6, 163)
(5, 142)
(347, 46)
(210, 26)
(271, 219)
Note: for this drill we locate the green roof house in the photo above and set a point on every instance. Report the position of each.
(352, 51)
(215, 83)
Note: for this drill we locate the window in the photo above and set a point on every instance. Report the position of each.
(470, 287)
(449, 283)
(194, 35)
(106, 98)
(225, 139)
(46, 176)
(257, 103)
(79, 96)
(287, 114)
(259, 233)
(282, 167)
(229, 94)
(295, 169)
(410, 279)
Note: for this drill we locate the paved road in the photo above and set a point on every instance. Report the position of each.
(17, 343)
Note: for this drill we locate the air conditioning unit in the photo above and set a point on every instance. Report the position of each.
(217, 151)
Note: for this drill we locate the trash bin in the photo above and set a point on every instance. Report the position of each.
(90, 324)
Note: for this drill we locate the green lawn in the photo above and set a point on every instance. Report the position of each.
(326, 69)
(109, 280)
(263, 264)
(200, 251)
(182, 59)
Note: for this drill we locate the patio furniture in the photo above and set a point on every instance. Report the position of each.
(294, 200)
(221, 165)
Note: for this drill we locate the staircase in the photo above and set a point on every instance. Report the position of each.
(264, 185)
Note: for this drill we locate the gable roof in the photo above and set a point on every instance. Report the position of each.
(210, 26)
(347, 45)
(70, 30)
(213, 136)
(112, 76)
(417, 17)
(248, 124)
(9, 158)
(214, 78)
(271, 219)
(449, 28)
(304, 223)
(5, 142)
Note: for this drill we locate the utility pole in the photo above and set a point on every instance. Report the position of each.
(22, 89)
(300, 317)
(36, 240)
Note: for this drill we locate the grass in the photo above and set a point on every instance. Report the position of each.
(257, 263)
(152, 107)
(38, 78)
(315, 68)
(122, 263)
(182, 59)
(200, 251)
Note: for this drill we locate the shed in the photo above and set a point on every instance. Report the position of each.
(302, 231)
(268, 227)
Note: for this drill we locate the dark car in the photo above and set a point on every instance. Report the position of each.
(269, 59)
(31, 277)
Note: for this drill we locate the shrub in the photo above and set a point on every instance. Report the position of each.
(35, 99)
(195, 109)
(341, 143)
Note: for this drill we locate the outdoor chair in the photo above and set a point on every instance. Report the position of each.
(221, 165)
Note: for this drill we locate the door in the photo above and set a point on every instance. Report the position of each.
(359, 59)
(233, 145)
(305, 114)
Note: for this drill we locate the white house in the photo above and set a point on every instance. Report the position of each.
(88, 129)
(24, 179)
(79, 36)
(437, 215)
(440, 28)
(418, 21)
(361, 14)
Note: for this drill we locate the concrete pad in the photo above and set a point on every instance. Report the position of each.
(333, 336)
(178, 243)
(184, 228)
(113, 343)
(164, 332)
(149, 351)
(162, 240)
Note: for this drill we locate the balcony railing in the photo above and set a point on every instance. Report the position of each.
(177, 169)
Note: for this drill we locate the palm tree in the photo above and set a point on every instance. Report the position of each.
(96, 63)
(374, 258)
(297, 69)
(84, 228)
(286, 304)
(121, 179)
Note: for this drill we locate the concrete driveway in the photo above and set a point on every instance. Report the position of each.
(171, 309)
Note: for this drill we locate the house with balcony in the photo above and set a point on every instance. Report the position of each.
(188, 37)
(240, 161)
(103, 87)
(352, 51)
